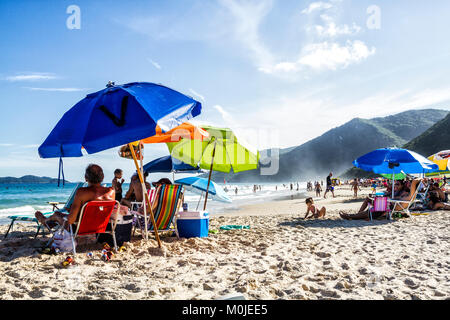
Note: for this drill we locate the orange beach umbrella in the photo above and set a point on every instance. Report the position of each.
(186, 130)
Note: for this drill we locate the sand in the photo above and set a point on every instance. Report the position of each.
(280, 257)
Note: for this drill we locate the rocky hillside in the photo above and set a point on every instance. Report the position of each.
(336, 149)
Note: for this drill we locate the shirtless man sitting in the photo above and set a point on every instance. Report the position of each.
(94, 191)
(134, 193)
(364, 214)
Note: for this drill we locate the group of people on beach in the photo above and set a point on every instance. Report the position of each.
(435, 197)
(96, 192)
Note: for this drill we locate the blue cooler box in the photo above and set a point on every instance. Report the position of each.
(193, 224)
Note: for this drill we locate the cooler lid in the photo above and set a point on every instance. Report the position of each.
(193, 215)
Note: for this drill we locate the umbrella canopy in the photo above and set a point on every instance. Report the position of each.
(230, 153)
(397, 176)
(200, 185)
(394, 161)
(168, 164)
(442, 159)
(118, 115)
(186, 130)
(221, 151)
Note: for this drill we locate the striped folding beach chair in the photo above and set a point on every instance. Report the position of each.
(32, 218)
(169, 200)
(380, 204)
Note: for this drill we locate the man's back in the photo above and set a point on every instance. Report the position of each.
(91, 193)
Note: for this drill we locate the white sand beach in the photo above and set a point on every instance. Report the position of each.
(280, 257)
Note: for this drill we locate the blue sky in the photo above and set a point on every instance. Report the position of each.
(280, 72)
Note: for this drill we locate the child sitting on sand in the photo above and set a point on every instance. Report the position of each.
(312, 208)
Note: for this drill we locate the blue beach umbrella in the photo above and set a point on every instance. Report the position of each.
(168, 164)
(115, 116)
(200, 185)
(394, 161)
(118, 115)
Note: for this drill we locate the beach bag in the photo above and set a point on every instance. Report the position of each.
(123, 228)
(63, 241)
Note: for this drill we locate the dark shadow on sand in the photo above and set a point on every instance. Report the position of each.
(20, 244)
(333, 223)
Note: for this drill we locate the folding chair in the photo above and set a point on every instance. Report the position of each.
(401, 203)
(93, 219)
(422, 196)
(32, 218)
(380, 204)
(169, 200)
(136, 205)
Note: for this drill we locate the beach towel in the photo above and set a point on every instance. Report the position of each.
(234, 227)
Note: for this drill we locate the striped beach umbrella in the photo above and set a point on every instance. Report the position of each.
(442, 160)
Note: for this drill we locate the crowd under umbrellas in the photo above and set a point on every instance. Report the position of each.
(126, 114)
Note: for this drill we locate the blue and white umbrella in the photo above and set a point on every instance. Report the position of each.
(394, 161)
(199, 185)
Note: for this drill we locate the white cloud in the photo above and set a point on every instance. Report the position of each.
(6, 144)
(332, 55)
(324, 56)
(225, 115)
(331, 29)
(32, 77)
(155, 64)
(57, 89)
(248, 17)
(317, 6)
(197, 95)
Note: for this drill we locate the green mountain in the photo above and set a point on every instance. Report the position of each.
(29, 179)
(435, 139)
(336, 149)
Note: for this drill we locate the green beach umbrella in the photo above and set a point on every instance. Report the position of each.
(221, 151)
(397, 176)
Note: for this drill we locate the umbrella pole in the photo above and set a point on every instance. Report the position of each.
(210, 172)
(144, 191)
(147, 199)
(393, 183)
(198, 203)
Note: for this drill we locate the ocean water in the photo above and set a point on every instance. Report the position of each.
(18, 199)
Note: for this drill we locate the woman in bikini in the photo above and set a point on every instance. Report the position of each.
(316, 213)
